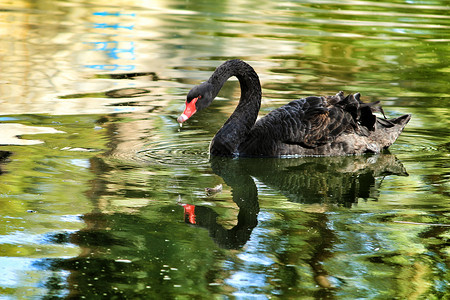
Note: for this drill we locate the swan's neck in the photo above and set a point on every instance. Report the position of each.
(238, 125)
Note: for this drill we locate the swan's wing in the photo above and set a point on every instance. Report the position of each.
(315, 121)
(320, 126)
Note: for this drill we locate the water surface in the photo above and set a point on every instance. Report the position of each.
(103, 194)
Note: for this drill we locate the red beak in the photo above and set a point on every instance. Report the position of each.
(188, 111)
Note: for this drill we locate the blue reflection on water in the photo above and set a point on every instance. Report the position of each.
(12, 268)
(253, 276)
(116, 49)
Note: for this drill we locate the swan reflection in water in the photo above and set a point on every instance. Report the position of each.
(338, 180)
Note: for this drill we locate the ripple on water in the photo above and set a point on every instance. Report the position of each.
(192, 153)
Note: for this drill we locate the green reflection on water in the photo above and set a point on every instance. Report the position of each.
(115, 206)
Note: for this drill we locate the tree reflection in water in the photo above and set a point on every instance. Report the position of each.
(4, 155)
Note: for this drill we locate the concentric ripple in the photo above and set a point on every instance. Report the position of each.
(194, 152)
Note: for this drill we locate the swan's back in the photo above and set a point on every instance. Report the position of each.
(334, 125)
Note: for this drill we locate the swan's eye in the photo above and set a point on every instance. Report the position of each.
(194, 99)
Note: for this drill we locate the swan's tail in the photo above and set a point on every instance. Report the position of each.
(400, 121)
(388, 130)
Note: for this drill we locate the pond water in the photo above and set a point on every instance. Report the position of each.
(103, 194)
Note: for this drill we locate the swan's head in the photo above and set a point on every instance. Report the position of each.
(198, 98)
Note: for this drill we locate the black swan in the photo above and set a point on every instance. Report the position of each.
(333, 125)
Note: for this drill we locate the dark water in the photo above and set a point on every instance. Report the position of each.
(103, 194)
